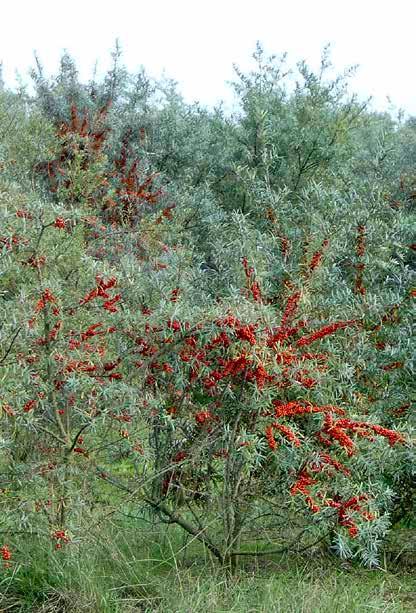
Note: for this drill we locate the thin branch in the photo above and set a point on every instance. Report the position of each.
(10, 347)
(183, 523)
(77, 437)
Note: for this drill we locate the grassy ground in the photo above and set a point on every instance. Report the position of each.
(145, 573)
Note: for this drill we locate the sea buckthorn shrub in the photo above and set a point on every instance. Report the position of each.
(225, 344)
(60, 307)
(249, 413)
(66, 403)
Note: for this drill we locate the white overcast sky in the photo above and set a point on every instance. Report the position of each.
(196, 41)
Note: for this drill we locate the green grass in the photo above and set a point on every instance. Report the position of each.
(139, 570)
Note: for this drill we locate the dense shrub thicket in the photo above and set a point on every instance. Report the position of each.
(206, 317)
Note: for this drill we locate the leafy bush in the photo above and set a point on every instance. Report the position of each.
(206, 318)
